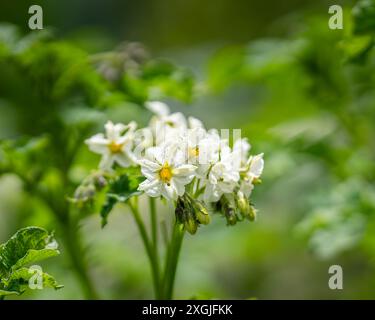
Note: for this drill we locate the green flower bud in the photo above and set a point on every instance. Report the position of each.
(230, 214)
(243, 204)
(185, 214)
(85, 193)
(256, 181)
(201, 213)
(190, 224)
(252, 214)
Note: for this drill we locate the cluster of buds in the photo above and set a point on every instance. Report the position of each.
(191, 213)
(85, 194)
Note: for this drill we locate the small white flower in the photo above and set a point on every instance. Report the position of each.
(253, 170)
(222, 177)
(164, 125)
(166, 172)
(115, 146)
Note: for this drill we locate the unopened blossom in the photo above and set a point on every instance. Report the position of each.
(115, 145)
(166, 172)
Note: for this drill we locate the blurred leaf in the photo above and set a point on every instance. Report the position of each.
(121, 189)
(364, 16)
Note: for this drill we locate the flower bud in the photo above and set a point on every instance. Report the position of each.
(230, 215)
(190, 223)
(185, 214)
(201, 213)
(252, 213)
(85, 193)
(99, 181)
(256, 181)
(243, 204)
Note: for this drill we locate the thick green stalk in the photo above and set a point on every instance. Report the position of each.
(149, 248)
(172, 260)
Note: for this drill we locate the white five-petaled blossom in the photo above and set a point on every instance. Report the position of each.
(166, 172)
(115, 145)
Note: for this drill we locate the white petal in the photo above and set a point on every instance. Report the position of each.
(122, 159)
(257, 165)
(184, 180)
(169, 191)
(150, 165)
(157, 107)
(184, 170)
(98, 143)
(179, 187)
(106, 162)
(148, 184)
(151, 187)
(195, 123)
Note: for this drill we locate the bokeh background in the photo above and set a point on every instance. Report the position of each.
(301, 93)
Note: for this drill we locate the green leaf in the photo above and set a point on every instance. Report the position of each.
(364, 17)
(34, 256)
(28, 245)
(20, 278)
(121, 189)
(4, 293)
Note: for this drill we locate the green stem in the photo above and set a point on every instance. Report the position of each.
(149, 248)
(154, 224)
(172, 260)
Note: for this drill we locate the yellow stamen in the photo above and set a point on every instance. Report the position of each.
(170, 123)
(115, 147)
(194, 152)
(165, 173)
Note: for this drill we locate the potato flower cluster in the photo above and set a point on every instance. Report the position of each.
(184, 162)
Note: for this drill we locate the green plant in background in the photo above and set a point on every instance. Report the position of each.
(316, 92)
(179, 161)
(55, 93)
(26, 247)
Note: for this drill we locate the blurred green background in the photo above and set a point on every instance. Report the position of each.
(301, 93)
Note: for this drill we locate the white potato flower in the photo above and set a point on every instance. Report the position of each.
(252, 171)
(165, 125)
(223, 176)
(115, 145)
(172, 151)
(166, 172)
